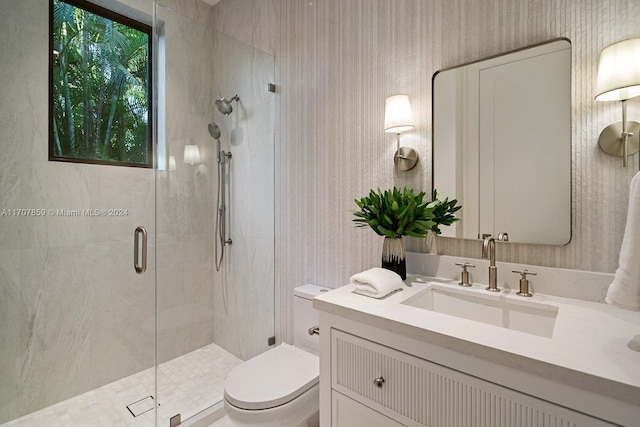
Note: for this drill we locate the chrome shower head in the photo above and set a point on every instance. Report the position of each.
(224, 104)
(214, 131)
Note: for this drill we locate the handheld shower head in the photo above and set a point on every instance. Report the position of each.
(224, 104)
(214, 131)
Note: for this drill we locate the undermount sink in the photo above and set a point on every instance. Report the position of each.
(526, 316)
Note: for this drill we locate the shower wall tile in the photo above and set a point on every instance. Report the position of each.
(79, 187)
(235, 19)
(185, 297)
(13, 318)
(253, 22)
(195, 10)
(244, 292)
(185, 197)
(265, 13)
(86, 321)
(337, 61)
(22, 114)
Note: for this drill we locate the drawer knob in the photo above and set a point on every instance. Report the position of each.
(379, 381)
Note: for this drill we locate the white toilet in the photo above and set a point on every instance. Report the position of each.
(280, 386)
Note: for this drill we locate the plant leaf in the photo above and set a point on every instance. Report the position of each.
(396, 212)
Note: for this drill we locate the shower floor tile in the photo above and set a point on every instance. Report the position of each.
(222, 422)
(187, 385)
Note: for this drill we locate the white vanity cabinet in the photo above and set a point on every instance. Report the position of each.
(367, 382)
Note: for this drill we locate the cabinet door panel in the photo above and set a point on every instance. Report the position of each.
(348, 413)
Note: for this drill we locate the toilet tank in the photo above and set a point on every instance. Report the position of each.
(305, 317)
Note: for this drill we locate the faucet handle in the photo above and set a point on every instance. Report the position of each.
(524, 283)
(503, 237)
(464, 279)
(524, 273)
(465, 265)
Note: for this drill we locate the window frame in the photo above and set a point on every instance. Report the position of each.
(124, 20)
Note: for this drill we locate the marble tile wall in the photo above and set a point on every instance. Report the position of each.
(255, 22)
(185, 196)
(337, 60)
(239, 300)
(244, 295)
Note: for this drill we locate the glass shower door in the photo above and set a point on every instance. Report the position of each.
(77, 322)
(190, 366)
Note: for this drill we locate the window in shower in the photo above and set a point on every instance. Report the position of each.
(99, 86)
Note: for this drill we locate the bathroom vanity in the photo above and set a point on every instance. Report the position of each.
(437, 354)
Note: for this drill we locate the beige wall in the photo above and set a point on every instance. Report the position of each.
(337, 60)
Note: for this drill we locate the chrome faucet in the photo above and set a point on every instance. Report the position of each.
(489, 251)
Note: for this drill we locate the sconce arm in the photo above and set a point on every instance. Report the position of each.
(621, 139)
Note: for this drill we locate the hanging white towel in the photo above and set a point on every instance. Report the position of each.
(624, 291)
(376, 282)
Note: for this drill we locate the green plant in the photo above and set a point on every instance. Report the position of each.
(395, 213)
(100, 87)
(444, 212)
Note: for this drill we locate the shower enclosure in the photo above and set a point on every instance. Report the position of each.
(84, 339)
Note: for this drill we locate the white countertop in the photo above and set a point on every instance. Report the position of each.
(589, 348)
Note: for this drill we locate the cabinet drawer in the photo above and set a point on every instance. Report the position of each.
(417, 392)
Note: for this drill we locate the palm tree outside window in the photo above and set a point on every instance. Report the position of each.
(100, 86)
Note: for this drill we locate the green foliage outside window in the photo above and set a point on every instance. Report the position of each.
(100, 87)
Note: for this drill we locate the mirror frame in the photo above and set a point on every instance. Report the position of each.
(570, 154)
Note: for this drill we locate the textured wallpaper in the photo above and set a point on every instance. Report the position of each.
(337, 61)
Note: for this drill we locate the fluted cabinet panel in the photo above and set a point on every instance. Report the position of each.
(337, 61)
(417, 392)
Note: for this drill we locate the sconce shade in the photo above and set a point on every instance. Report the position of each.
(619, 71)
(191, 154)
(397, 114)
(172, 163)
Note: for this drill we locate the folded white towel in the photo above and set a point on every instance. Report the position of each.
(624, 291)
(376, 282)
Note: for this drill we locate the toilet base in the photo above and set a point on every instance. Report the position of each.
(301, 412)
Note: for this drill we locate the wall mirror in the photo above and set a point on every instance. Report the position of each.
(502, 144)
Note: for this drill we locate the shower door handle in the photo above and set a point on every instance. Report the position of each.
(140, 248)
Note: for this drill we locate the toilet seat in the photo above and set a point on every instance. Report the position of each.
(272, 378)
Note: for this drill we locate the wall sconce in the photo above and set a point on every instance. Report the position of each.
(398, 118)
(191, 154)
(619, 80)
(172, 163)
